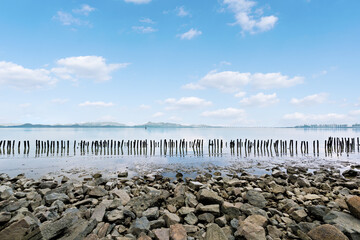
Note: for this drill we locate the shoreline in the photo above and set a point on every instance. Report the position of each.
(289, 203)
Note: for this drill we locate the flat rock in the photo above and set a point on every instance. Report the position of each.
(151, 213)
(115, 215)
(213, 208)
(52, 197)
(50, 230)
(97, 192)
(122, 195)
(208, 197)
(257, 220)
(99, 212)
(327, 232)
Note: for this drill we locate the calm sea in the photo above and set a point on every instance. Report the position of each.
(34, 165)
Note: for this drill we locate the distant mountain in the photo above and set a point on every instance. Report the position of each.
(106, 125)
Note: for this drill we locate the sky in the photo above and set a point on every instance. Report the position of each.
(217, 62)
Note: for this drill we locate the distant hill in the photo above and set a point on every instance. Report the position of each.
(106, 125)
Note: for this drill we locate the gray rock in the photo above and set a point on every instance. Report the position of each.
(5, 217)
(251, 210)
(97, 192)
(345, 222)
(99, 212)
(256, 199)
(6, 192)
(25, 228)
(318, 211)
(80, 230)
(48, 184)
(151, 213)
(213, 208)
(122, 195)
(51, 230)
(115, 215)
(157, 223)
(303, 182)
(191, 218)
(140, 225)
(206, 217)
(171, 218)
(208, 197)
(214, 232)
(52, 197)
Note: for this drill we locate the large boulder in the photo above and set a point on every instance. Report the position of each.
(345, 222)
(256, 199)
(353, 204)
(327, 232)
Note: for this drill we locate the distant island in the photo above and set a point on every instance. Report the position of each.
(107, 125)
(329, 126)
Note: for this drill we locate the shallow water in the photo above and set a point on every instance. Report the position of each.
(35, 165)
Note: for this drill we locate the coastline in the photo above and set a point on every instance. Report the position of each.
(289, 203)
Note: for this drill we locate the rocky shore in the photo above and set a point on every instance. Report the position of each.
(289, 204)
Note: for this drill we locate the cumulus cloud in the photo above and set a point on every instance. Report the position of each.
(19, 77)
(275, 80)
(228, 113)
(240, 94)
(315, 118)
(231, 81)
(310, 100)
(84, 10)
(186, 103)
(96, 104)
(142, 29)
(190, 34)
(260, 100)
(138, 1)
(87, 67)
(181, 12)
(248, 19)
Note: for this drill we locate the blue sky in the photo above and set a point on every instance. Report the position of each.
(218, 62)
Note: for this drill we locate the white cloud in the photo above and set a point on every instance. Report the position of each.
(181, 12)
(310, 100)
(315, 118)
(275, 80)
(190, 34)
(60, 100)
(232, 113)
(186, 103)
(249, 20)
(144, 106)
(88, 67)
(231, 81)
(96, 104)
(240, 94)
(68, 19)
(138, 1)
(142, 29)
(225, 63)
(260, 100)
(17, 76)
(354, 112)
(146, 20)
(84, 10)
(158, 114)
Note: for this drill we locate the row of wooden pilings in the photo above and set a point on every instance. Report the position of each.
(174, 147)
